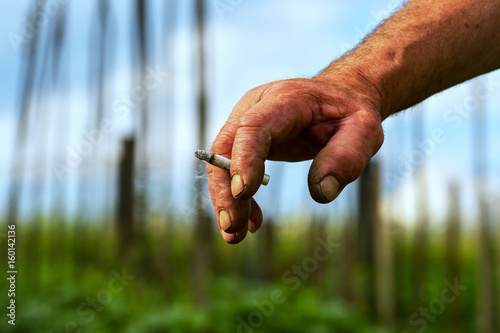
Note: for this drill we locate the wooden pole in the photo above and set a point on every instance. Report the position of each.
(203, 229)
(453, 256)
(486, 285)
(125, 204)
(368, 222)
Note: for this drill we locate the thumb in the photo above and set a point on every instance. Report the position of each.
(345, 156)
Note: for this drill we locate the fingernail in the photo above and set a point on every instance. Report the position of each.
(251, 228)
(237, 185)
(224, 220)
(330, 187)
(228, 238)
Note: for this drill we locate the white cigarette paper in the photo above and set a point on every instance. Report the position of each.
(221, 162)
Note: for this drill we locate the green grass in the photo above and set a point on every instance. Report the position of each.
(61, 268)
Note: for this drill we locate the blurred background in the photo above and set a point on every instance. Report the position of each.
(103, 106)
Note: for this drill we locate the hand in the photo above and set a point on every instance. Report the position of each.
(335, 120)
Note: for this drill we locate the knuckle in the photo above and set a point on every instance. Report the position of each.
(253, 127)
(252, 119)
(222, 143)
(255, 91)
(291, 86)
(252, 142)
(373, 128)
(255, 94)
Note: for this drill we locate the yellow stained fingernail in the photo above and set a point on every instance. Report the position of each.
(228, 238)
(224, 220)
(330, 187)
(237, 185)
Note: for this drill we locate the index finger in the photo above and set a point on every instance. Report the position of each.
(234, 216)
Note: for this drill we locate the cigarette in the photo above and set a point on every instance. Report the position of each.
(221, 162)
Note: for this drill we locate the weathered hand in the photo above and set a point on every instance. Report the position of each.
(335, 120)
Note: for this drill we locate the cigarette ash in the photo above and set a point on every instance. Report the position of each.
(203, 155)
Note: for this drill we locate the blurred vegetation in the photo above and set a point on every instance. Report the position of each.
(61, 266)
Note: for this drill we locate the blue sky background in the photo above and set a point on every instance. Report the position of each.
(252, 43)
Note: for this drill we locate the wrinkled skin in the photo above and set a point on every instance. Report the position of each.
(336, 124)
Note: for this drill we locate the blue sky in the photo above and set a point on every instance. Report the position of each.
(252, 43)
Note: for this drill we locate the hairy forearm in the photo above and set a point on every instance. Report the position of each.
(426, 47)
